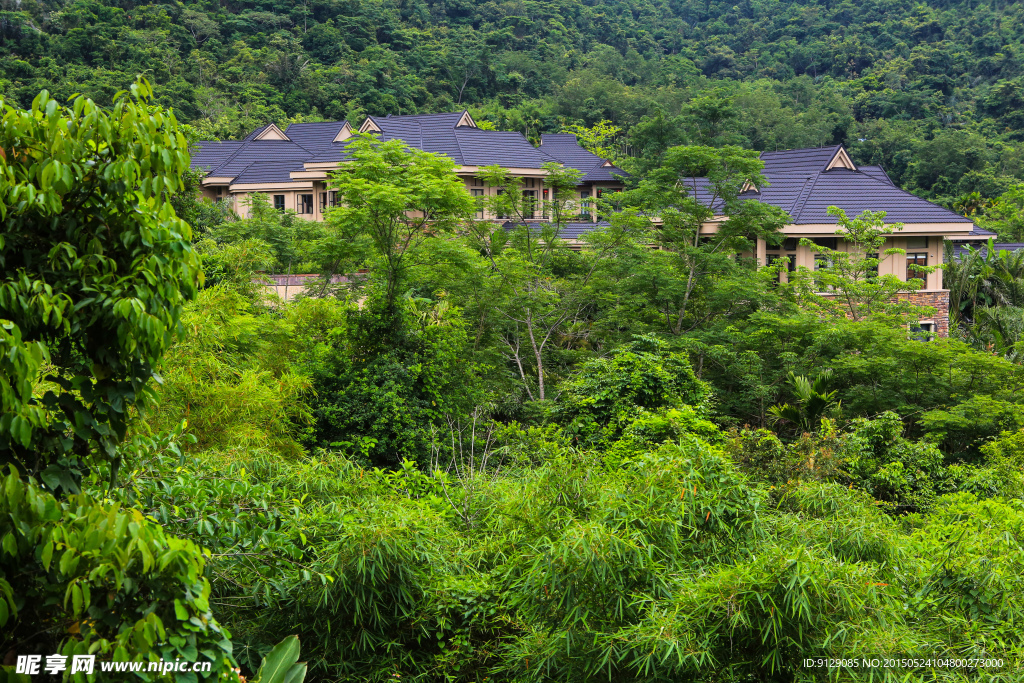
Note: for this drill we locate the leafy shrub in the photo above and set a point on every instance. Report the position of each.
(79, 576)
(383, 386)
(606, 394)
(95, 270)
(231, 375)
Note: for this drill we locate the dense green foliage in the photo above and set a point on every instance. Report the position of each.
(484, 455)
(933, 92)
(95, 268)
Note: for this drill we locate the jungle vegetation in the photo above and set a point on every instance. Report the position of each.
(486, 456)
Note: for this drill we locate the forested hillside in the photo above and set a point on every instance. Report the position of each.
(933, 91)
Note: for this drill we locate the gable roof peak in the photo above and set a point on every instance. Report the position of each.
(272, 132)
(370, 126)
(344, 134)
(841, 159)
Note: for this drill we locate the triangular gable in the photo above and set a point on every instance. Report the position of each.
(344, 134)
(466, 121)
(370, 126)
(841, 160)
(272, 132)
(749, 187)
(607, 163)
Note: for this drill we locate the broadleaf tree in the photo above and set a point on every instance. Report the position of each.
(94, 269)
(705, 223)
(397, 196)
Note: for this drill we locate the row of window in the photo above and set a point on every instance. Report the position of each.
(916, 260)
(304, 202)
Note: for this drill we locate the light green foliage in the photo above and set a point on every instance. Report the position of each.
(95, 269)
(103, 579)
(395, 196)
(1005, 214)
(685, 206)
(986, 297)
(850, 278)
(608, 393)
(598, 138)
(813, 402)
(294, 241)
(232, 374)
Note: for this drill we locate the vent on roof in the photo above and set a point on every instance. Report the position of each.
(841, 160)
(466, 121)
(369, 126)
(344, 134)
(606, 164)
(272, 132)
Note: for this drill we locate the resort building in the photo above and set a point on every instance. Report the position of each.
(293, 166)
(805, 182)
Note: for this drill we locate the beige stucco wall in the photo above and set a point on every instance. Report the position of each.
(895, 264)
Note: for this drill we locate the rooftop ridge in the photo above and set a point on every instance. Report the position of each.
(801, 200)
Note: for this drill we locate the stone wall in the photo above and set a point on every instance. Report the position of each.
(937, 299)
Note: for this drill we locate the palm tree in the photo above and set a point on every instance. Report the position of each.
(986, 296)
(813, 402)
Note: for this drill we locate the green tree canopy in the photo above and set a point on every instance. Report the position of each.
(94, 269)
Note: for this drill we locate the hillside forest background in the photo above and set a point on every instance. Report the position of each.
(931, 91)
(479, 454)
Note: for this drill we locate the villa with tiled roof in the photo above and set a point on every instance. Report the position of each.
(805, 182)
(293, 166)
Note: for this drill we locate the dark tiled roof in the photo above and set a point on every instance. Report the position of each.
(485, 147)
(876, 172)
(798, 184)
(314, 136)
(975, 234)
(256, 155)
(570, 231)
(813, 159)
(212, 153)
(565, 148)
(271, 171)
(255, 161)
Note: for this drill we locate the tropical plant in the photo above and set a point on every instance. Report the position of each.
(96, 267)
(813, 402)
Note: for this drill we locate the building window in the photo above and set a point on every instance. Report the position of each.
(917, 243)
(915, 261)
(790, 244)
(529, 182)
(545, 201)
(922, 331)
(822, 262)
(529, 203)
(585, 205)
(279, 202)
(476, 182)
(328, 200)
(827, 242)
(478, 197)
(305, 203)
